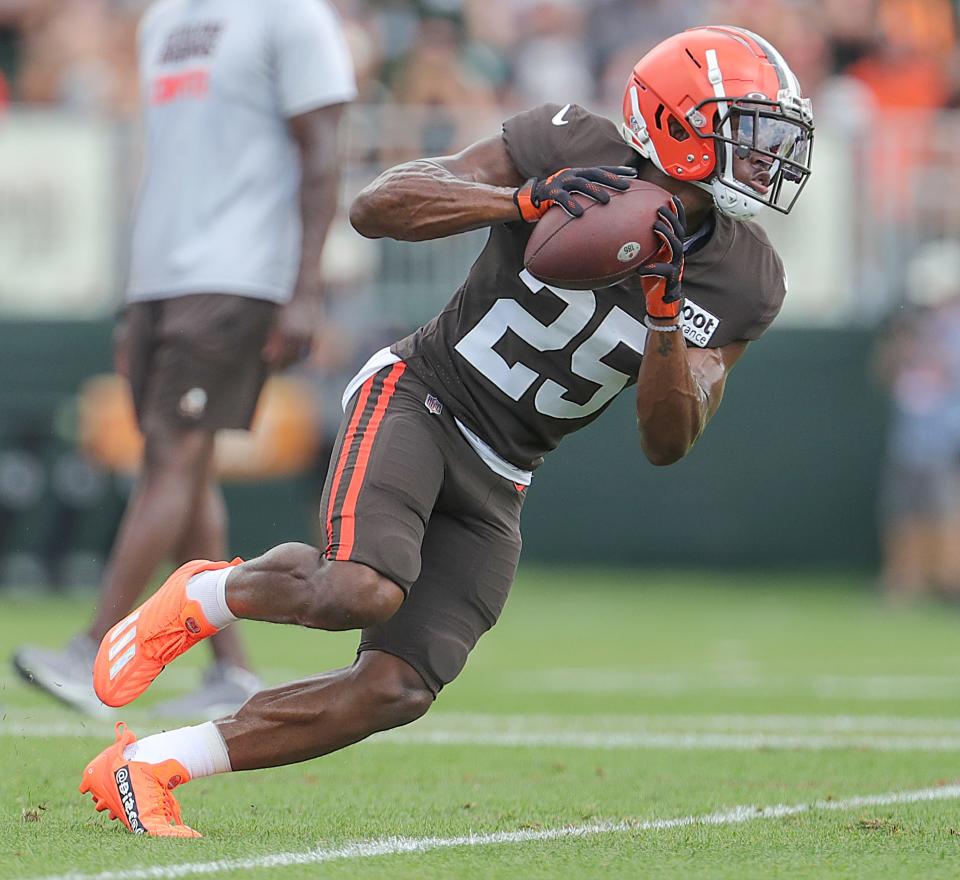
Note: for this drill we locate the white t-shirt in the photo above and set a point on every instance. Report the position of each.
(219, 209)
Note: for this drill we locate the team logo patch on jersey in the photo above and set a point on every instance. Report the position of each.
(699, 325)
(193, 403)
(433, 405)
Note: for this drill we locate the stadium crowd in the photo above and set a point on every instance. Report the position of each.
(474, 54)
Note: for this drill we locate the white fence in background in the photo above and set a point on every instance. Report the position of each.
(65, 191)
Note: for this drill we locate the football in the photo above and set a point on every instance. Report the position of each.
(602, 246)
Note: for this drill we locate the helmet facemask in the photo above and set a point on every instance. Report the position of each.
(763, 148)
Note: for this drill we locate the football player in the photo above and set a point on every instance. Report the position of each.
(443, 430)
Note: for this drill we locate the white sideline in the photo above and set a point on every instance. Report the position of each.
(868, 688)
(677, 740)
(363, 849)
(469, 731)
(728, 723)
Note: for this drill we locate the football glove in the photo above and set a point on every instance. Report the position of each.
(662, 280)
(539, 194)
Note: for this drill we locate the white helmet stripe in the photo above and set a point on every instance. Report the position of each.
(788, 79)
(715, 75)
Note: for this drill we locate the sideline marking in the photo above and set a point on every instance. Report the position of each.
(628, 732)
(364, 849)
(677, 740)
(736, 680)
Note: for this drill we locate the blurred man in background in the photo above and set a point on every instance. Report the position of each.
(919, 362)
(242, 103)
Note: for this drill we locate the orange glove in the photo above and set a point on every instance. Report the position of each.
(538, 195)
(662, 280)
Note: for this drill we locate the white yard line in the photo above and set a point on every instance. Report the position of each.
(489, 731)
(676, 740)
(364, 849)
(736, 680)
(534, 722)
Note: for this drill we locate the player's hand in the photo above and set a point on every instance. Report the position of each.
(539, 194)
(291, 338)
(662, 280)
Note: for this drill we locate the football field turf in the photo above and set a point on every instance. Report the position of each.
(614, 724)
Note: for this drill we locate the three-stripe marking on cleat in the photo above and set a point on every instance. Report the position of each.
(123, 634)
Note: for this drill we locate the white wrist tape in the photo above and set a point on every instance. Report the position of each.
(660, 328)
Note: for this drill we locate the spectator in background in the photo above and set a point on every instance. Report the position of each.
(446, 96)
(919, 361)
(852, 30)
(617, 26)
(242, 108)
(80, 54)
(553, 62)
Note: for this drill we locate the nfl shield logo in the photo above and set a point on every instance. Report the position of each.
(433, 405)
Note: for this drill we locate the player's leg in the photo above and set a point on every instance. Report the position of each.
(293, 722)
(310, 718)
(469, 554)
(384, 481)
(380, 490)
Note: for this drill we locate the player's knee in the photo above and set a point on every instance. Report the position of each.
(407, 704)
(347, 595)
(394, 689)
(372, 599)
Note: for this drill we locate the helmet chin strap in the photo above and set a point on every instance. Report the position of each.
(730, 201)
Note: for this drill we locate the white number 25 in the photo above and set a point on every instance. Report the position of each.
(507, 314)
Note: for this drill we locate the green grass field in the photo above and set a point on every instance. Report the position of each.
(615, 724)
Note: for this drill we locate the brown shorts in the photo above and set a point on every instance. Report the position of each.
(195, 361)
(406, 495)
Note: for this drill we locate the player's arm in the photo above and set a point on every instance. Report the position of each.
(433, 198)
(678, 388)
(481, 186)
(316, 134)
(678, 391)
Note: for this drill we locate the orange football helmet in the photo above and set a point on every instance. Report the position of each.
(706, 96)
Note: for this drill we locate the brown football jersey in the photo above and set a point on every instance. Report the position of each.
(522, 363)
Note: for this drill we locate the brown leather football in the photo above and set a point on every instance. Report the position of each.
(602, 246)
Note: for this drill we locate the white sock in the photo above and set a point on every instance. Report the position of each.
(200, 749)
(209, 589)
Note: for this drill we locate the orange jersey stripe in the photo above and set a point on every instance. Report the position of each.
(345, 453)
(348, 514)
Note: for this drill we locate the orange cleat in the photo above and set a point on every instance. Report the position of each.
(134, 652)
(137, 793)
